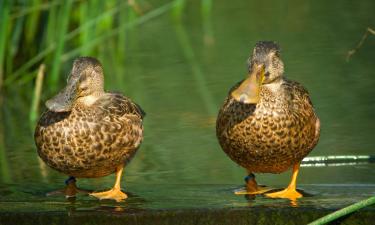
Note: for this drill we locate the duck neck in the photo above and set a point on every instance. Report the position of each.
(89, 100)
(274, 86)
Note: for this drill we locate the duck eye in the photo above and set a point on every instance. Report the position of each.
(82, 78)
(267, 74)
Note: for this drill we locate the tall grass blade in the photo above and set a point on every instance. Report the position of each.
(24, 11)
(111, 33)
(86, 31)
(55, 41)
(4, 167)
(31, 26)
(4, 13)
(178, 7)
(23, 69)
(36, 97)
(51, 34)
(64, 15)
(14, 45)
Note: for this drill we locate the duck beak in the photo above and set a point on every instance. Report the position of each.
(63, 101)
(248, 91)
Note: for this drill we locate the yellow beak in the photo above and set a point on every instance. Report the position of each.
(249, 89)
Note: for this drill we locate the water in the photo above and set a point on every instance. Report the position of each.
(180, 74)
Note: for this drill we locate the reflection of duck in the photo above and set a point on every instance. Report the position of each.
(88, 133)
(267, 123)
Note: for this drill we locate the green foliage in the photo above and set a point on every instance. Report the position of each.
(51, 32)
(4, 10)
(62, 25)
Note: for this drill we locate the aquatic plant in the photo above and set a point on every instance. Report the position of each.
(37, 32)
(344, 211)
(51, 33)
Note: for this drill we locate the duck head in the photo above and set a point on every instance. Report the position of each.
(264, 67)
(85, 81)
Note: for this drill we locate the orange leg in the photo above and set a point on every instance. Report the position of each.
(252, 187)
(115, 193)
(290, 192)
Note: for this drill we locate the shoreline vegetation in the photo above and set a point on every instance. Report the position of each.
(51, 33)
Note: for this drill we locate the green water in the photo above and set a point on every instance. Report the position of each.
(180, 73)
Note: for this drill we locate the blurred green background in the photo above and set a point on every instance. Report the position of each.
(178, 59)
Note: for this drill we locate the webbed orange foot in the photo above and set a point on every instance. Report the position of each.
(115, 194)
(289, 193)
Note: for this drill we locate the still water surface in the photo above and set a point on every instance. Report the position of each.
(180, 74)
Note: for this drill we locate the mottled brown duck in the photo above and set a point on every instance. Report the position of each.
(267, 123)
(87, 132)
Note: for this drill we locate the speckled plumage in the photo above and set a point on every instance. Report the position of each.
(279, 130)
(274, 134)
(87, 132)
(90, 141)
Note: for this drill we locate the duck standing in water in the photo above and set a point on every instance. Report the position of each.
(267, 123)
(87, 132)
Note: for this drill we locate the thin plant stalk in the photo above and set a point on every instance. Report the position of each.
(37, 93)
(52, 45)
(43, 6)
(4, 166)
(28, 64)
(50, 35)
(65, 12)
(100, 39)
(4, 12)
(32, 25)
(343, 212)
(87, 31)
(14, 43)
(55, 41)
(368, 31)
(178, 7)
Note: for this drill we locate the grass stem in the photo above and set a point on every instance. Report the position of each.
(37, 93)
(345, 211)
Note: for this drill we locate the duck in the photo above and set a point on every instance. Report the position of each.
(87, 132)
(267, 123)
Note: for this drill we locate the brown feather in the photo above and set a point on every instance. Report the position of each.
(91, 141)
(272, 135)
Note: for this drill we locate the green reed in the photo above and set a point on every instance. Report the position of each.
(4, 167)
(344, 211)
(51, 32)
(60, 43)
(35, 32)
(34, 111)
(4, 17)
